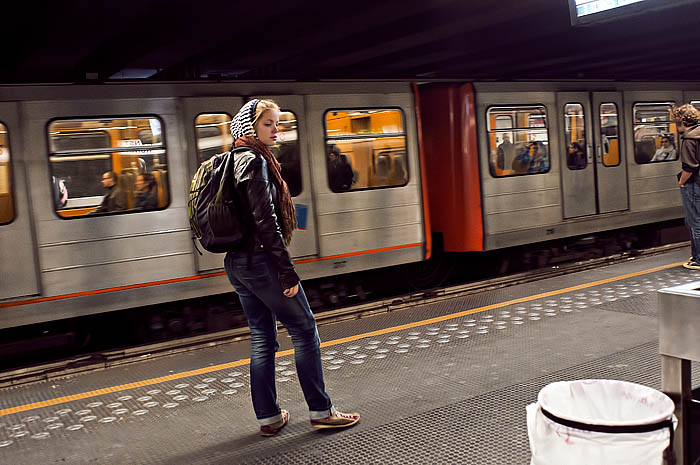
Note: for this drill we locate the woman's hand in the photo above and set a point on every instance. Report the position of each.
(292, 291)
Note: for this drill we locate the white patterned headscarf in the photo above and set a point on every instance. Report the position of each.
(242, 123)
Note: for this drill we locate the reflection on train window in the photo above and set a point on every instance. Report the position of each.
(696, 104)
(609, 134)
(213, 134)
(7, 210)
(655, 135)
(575, 132)
(365, 149)
(107, 165)
(518, 141)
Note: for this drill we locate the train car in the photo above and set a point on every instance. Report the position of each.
(63, 255)
(512, 164)
(502, 165)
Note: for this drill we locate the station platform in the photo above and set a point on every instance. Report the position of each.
(444, 382)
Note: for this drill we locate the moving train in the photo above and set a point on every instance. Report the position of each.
(437, 168)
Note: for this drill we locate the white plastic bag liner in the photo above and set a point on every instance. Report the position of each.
(603, 403)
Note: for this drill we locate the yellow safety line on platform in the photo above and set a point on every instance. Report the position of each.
(284, 353)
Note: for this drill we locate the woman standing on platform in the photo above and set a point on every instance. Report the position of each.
(263, 275)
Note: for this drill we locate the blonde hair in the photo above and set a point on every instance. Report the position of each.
(262, 107)
(686, 114)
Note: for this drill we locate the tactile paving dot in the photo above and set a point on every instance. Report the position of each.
(75, 427)
(5, 443)
(42, 435)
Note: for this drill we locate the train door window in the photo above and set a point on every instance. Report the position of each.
(655, 135)
(575, 132)
(213, 134)
(365, 149)
(7, 210)
(518, 140)
(107, 165)
(287, 151)
(609, 138)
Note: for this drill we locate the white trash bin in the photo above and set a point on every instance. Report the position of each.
(599, 421)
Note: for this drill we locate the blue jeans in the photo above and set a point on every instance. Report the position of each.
(691, 207)
(261, 296)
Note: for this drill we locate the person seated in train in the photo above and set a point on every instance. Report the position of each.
(575, 158)
(146, 192)
(523, 160)
(667, 151)
(115, 198)
(540, 161)
(340, 173)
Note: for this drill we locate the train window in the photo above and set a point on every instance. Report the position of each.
(655, 135)
(213, 134)
(609, 139)
(518, 140)
(107, 165)
(7, 210)
(365, 149)
(575, 132)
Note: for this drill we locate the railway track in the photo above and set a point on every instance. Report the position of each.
(111, 358)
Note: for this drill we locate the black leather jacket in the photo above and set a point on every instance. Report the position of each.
(256, 190)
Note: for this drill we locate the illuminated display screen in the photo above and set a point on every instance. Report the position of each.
(588, 7)
(595, 11)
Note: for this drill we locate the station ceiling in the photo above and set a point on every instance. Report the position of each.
(74, 41)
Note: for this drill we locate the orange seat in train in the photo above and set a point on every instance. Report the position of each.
(161, 177)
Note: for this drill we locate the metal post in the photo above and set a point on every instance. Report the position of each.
(675, 383)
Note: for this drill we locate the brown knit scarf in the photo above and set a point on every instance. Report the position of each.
(289, 219)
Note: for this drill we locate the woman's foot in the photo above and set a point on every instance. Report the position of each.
(336, 420)
(274, 428)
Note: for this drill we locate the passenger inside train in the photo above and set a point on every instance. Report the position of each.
(666, 151)
(575, 158)
(340, 173)
(146, 192)
(115, 197)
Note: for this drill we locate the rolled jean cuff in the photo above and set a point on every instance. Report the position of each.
(321, 414)
(270, 420)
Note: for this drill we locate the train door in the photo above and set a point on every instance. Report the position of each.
(207, 121)
(578, 170)
(292, 151)
(18, 263)
(366, 177)
(594, 177)
(610, 162)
